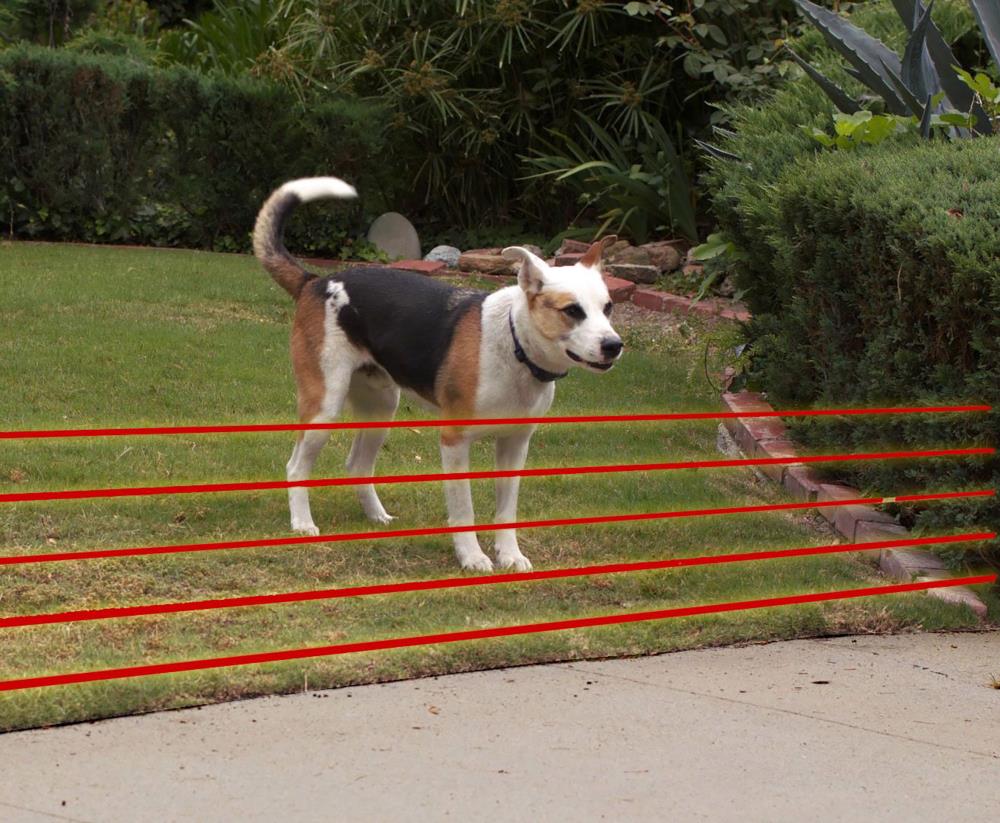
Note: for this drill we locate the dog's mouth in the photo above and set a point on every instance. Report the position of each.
(590, 363)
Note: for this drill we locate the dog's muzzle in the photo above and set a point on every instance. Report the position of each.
(611, 349)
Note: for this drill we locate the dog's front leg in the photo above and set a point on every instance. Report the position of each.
(512, 451)
(458, 496)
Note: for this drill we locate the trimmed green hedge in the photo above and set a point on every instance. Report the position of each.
(109, 149)
(874, 278)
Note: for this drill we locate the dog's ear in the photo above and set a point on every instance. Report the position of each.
(531, 275)
(593, 257)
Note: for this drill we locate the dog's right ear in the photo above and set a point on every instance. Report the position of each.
(531, 275)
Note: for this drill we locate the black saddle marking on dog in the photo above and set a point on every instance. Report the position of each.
(405, 320)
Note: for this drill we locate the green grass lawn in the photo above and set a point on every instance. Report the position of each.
(100, 337)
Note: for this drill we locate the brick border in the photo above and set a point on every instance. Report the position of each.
(768, 437)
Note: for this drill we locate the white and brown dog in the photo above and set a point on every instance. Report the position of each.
(362, 335)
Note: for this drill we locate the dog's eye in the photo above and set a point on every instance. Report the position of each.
(575, 311)
(607, 308)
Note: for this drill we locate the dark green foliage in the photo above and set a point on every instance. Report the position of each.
(925, 79)
(873, 277)
(110, 149)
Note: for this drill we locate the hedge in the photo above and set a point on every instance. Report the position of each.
(874, 278)
(109, 149)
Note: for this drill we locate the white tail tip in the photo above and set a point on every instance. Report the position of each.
(317, 188)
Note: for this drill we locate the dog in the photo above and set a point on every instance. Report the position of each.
(362, 336)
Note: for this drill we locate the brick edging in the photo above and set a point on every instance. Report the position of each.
(768, 437)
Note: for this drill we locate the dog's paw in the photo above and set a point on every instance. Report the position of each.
(307, 529)
(476, 563)
(517, 562)
(383, 518)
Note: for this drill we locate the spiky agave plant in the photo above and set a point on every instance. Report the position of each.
(924, 82)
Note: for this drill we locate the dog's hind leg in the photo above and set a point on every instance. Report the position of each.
(372, 396)
(458, 496)
(511, 453)
(307, 449)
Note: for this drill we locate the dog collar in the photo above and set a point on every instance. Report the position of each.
(540, 374)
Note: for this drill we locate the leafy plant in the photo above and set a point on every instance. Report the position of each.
(633, 198)
(924, 82)
(476, 85)
(865, 128)
(718, 254)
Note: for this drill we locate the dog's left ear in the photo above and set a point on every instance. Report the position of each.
(593, 257)
(531, 276)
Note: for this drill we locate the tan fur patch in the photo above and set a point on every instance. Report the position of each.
(458, 378)
(547, 313)
(308, 332)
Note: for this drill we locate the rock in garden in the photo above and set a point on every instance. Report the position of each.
(627, 254)
(395, 235)
(663, 255)
(487, 263)
(633, 272)
(570, 246)
(444, 254)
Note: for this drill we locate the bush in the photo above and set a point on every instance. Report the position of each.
(104, 148)
(874, 278)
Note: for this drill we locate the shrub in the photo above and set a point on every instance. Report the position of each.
(873, 277)
(106, 148)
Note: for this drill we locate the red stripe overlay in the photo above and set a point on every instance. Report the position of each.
(204, 488)
(50, 557)
(494, 421)
(464, 582)
(476, 634)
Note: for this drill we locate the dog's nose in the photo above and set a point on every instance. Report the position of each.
(611, 347)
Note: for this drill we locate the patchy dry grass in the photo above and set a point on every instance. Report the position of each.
(103, 337)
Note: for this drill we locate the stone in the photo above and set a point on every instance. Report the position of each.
(570, 246)
(834, 491)
(959, 596)
(634, 272)
(627, 255)
(535, 250)
(868, 532)
(487, 263)
(617, 247)
(445, 254)
(421, 266)
(846, 519)
(494, 250)
(568, 259)
(620, 290)
(801, 483)
(778, 448)
(652, 299)
(663, 255)
(395, 235)
(741, 403)
(905, 564)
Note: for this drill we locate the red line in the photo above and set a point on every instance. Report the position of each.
(204, 488)
(463, 422)
(475, 634)
(463, 582)
(13, 560)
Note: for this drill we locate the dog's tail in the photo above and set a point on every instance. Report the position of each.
(268, 233)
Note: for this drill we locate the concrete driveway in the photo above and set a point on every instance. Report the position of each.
(867, 728)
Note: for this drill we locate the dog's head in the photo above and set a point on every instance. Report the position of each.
(570, 307)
